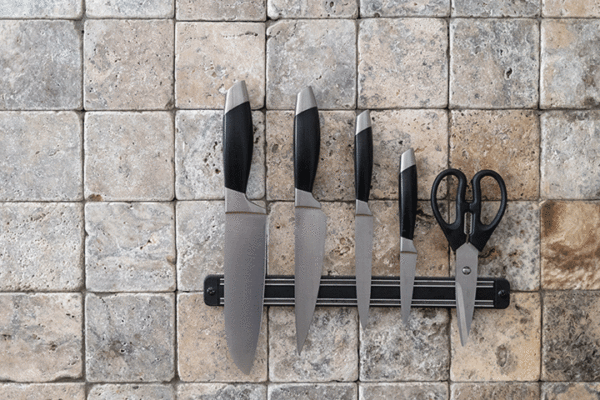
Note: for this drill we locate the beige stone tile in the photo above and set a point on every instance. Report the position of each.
(222, 10)
(71, 9)
(571, 335)
(277, 9)
(48, 391)
(403, 391)
(499, 8)
(128, 64)
(571, 8)
(310, 391)
(570, 155)
(131, 392)
(129, 9)
(329, 353)
(569, 72)
(412, 75)
(41, 338)
(568, 391)
(404, 8)
(42, 246)
(221, 391)
(504, 141)
(504, 345)
(226, 53)
(494, 63)
(128, 156)
(494, 390)
(570, 245)
(202, 348)
(316, 53)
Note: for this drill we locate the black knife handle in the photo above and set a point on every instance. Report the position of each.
(408, 201)
(363, 163)
(307, 146)
(237, 147)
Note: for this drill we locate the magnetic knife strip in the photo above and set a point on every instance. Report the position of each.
(340, 291)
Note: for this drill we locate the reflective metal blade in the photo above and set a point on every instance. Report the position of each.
(244, 280)
(309, 251)
(466, 286)
(408, 265)
(364, 256)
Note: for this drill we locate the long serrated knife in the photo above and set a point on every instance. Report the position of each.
(245, 236)
(363, 168)
(310, 226)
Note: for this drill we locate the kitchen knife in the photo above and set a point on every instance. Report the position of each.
(363, 168)
(245, 238)
(310, 227)
(407, 183)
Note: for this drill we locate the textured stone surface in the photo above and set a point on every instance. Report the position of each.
(201, 342)
(570, 245)
(199, 155)
(504, 141)
(571, 8)
(129, 9)
(329, 353)
(493, 390)
(130, 337)
(128, 64)
(404, 8)
(571, 335)
(40, 337)
(53, 81)
(570, 155)
(503, 345)
(221, 391)
(131, 392)
(412, 75)
(129, 156)
(318, 53)
(403, 391)
(502, 8)
(41, 246)
(47, 391)
(570, 77)
(568, 391)
(211, 56)
(222, 10)
(494, 63)
(391, 351)
(312, 9)
(130, 247)
(41, 9)
(307, 391)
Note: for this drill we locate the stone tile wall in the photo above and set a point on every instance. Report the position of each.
(111, 194)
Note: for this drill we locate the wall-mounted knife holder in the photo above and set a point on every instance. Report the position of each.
(340, 291)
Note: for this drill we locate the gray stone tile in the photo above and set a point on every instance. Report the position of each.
(412, 75)
(56, 48)
(40, 158)
(404, 8)
(129, 156)
(571, 8)
(494, 63)
(131, 392)
(570, 154)
(569, 71)
(494, 390)
(71, 9)
(571, 336)
(392, 351)
(47, 391)
(504, 345)
(568, 391)
(199, 155)
(330, 352)
(130, 247)
(403, 391)
(312, 9)
(129, 9)
(310, 391)
(222, 10)
(202, 348)
(128, 64)
(42, 246)
(40, 337)
(221, 391)
(227, 52)
(502, 8)
(130, 337)
(317, 53)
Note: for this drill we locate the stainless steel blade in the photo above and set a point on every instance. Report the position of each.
(466, 286)
(364, 257)
(408, 265)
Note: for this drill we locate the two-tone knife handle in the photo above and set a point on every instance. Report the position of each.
(363, 156)
(237, 138)
(408, 194)
(307, 140)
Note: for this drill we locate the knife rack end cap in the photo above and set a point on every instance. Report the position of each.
(236, 95)
(363, 121)
(407, 159)
(305, 100)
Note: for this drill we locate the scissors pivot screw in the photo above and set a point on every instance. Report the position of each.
(466, 270)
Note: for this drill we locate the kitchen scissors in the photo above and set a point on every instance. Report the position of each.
(467, 245)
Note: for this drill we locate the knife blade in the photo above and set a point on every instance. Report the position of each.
(407, 183)
(310, 221)
(245, 234)
(363, 168)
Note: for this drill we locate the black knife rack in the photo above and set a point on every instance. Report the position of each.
(340, 291)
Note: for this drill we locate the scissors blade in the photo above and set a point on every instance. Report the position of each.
(465, 287)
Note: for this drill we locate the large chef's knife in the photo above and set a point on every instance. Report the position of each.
(245, 240)
(363, 168)
(408, 216)
(311, 223)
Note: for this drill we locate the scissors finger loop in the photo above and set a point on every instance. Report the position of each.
(480, 232)
(454, 232)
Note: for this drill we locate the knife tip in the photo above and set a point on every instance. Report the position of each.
(363, 121)
(407, 159)
(236, 95)
(305, 100)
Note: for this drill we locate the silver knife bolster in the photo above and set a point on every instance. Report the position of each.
(407, 160)
(238, 202)
(305, 199)
(362, 208)
(407, 246)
